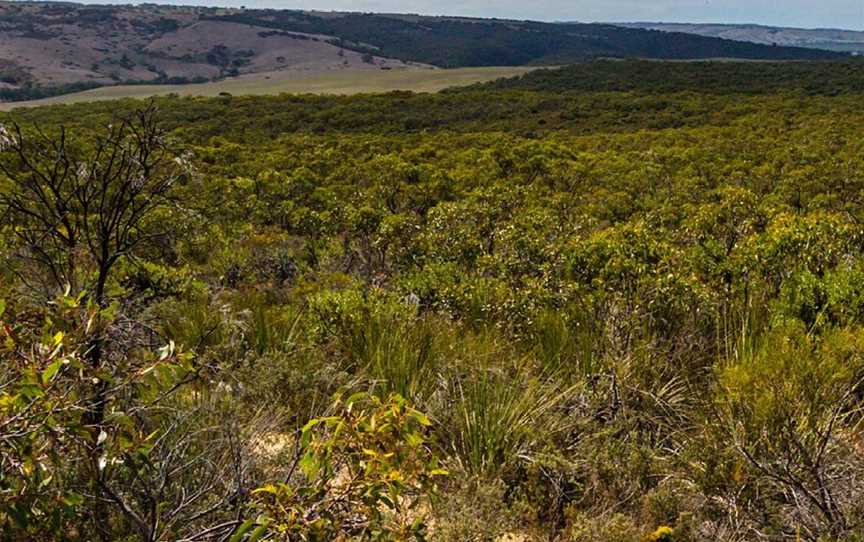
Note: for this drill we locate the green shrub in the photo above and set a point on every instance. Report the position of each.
(792, 412)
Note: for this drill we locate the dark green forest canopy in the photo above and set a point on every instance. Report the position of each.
(814, 78)
(455, 42)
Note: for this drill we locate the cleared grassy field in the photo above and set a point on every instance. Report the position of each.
(349, 81)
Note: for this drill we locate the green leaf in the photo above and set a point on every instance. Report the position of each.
(414, 440)
(31, 391)
(73, 499)
(2, 306)
(241, 530)
(269, 489)
(110, 312)
(310, 424)
(421, 418)
(310, 465)
(51, 371)
(257, 533)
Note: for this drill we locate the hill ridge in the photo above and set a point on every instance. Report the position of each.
(830, 39)
(49, 48)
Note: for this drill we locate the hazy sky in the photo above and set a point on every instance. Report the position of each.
(803, 13)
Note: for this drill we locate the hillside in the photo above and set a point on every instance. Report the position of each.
(830, 39)
(50, 48)
(453, 42)
(54, 48)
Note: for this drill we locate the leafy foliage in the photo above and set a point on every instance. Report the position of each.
(366, 467)
(624, 314)
(47, 427)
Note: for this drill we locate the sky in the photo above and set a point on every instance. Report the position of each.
(848, 14)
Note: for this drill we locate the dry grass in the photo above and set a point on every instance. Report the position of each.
(347, 81)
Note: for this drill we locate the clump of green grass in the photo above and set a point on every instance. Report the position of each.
(383, 339)
(566, 345)
(199, 323)
(272, 329)
(398, 356)
(501, 411)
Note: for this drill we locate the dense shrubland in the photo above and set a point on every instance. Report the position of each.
(820, 78)
(641, 323)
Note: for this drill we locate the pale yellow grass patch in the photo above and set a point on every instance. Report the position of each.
(340, 81)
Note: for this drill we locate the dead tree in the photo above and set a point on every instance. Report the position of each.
(77, 211)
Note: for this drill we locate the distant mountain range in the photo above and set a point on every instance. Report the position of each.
(49, 48)
(830, 39)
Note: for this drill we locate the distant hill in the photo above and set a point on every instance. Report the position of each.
(53, 48)
(830, 39)
(48, 48)
(459, 42)
(642, 76)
